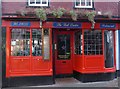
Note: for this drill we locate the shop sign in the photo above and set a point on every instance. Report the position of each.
(67, 25)
(103, 25)
(19, 23)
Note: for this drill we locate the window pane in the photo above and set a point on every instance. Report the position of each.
(44, 1)
(88, 3)
(77, 2)
(32, 1)
(93, 42)
(20, 42)
(63, 46)
(78, 42)
(36, 42)
(109, 48)
(38, 1)
(82, 2)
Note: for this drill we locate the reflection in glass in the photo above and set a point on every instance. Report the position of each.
(82, 2)
(63, 42)
(36, 42)
(77, 2)
(88, 3)
(78, 42)
(38, 1)
(20, 42)
(109, 48)
(44, 1)
(32, 1)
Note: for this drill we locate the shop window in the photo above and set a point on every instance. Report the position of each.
(83, 4)
(109, 48)
(38, 2)
(63, 46)
(78, 42)
(93, 42)
(36, 42)
(20, 42)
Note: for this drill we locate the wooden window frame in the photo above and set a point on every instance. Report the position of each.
(36, 5)
(84, 7)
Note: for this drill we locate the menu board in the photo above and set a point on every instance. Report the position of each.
(46, 44)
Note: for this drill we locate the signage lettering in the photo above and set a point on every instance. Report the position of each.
(107, 25)
(67, 25)
(26, 24)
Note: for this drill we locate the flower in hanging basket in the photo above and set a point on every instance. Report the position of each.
(74, 15)
(41, 14)
(91, 16)
(58, 13)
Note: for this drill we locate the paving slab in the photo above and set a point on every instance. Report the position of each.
(72, 82)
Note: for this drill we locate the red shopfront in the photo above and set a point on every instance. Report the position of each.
(58, 48)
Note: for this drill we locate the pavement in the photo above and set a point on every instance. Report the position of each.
(72, 82)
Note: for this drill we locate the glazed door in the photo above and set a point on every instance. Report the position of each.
(63, 53)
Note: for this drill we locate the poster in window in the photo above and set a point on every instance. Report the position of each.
(46, 46)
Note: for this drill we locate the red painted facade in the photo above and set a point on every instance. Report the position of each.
(24, 66)
(29, 66)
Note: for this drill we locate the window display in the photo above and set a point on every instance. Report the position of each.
(20, 42)
(93, 42)
(36, 42)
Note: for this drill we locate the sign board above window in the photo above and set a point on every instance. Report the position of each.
(19, 23)
(67, 25)
(108, 25)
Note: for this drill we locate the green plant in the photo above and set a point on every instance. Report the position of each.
(58, 13)
(23, 13)
(91, 16)
(74, 15)
(41, 13)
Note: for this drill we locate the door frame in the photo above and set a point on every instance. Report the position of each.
(54, 31)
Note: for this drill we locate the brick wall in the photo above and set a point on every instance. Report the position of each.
(12, 7)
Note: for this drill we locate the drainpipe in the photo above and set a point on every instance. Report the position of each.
(0, 44)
